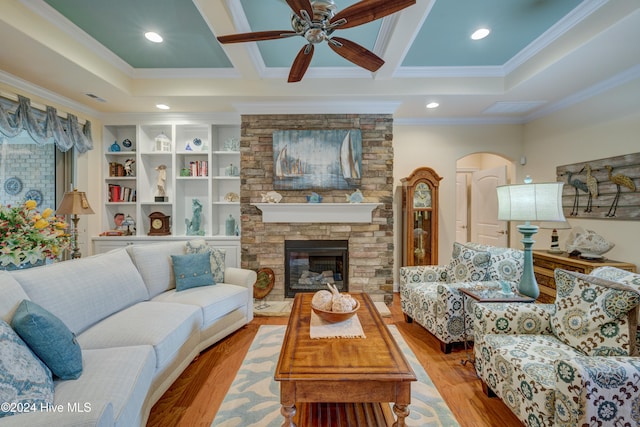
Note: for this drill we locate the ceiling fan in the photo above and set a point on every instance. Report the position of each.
(316, 20)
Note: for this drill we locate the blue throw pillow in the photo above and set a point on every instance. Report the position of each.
(192, 270)
(25, 381)
(50, 339)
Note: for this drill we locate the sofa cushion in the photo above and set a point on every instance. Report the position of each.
(595, 316)
(217, 257)
(120, 375)
(50, 339)
(154, 263)
(506, 263)
(11, 295)
(84, 291)
(617, 275)
(192, 271)
(24, 379)
(467, 265)
(166, 327)
(214, 301)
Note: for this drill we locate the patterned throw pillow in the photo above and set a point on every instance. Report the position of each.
(192, 271)
(217, 257)
(594, 315)
(49, 338)
(467, 265)
(24, 380)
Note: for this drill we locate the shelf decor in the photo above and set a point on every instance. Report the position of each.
(167, 176)
(162, 143)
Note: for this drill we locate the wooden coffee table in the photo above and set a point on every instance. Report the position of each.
(343, 379)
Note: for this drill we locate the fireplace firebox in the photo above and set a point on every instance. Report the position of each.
(312, 264)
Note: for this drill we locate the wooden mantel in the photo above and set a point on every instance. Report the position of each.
(317, 212)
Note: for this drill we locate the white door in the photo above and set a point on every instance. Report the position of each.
(462, 208)
(485, 227)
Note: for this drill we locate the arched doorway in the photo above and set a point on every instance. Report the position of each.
(477, 176)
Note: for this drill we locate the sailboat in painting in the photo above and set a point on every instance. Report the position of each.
(348, 160)
(287, 167)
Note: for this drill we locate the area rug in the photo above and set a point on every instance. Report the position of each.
(253, 400)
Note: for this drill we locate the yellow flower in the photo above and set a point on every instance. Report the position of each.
(47, 213)
(30, 204)
(40, 224)
(61, 225)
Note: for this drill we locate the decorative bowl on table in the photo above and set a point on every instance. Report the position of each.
(335, 316)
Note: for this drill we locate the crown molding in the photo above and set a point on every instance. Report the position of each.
(346, 107)
(52, 97)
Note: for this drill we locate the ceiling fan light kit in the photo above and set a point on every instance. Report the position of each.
(317, 20)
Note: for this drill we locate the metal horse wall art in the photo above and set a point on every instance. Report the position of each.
(610, 186)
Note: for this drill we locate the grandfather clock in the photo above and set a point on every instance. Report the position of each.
(420, 217)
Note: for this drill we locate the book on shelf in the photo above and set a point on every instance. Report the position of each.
(119, 193)
(199, 168)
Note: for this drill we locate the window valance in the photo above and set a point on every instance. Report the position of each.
(42, 125)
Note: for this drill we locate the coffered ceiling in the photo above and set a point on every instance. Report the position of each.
(540, 56)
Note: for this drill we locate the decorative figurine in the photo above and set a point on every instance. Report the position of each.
(162, 179)
(193, 224)
(271, 197)
(128, 171)
(314, 198)
(355, 197)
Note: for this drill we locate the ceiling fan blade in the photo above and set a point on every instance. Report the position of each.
(301, 63)
(355, 53)
(256, 36)
(298, 5)
(370, 10)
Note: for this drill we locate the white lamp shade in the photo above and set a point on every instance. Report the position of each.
(530, 202)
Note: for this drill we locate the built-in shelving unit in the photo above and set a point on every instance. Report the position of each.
(201, 162)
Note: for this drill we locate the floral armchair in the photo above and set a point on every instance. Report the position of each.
(571, 363)
(430, 294)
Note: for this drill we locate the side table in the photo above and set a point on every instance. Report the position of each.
(545, 263)
(486, 295)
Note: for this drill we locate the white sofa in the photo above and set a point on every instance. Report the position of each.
(136, 332)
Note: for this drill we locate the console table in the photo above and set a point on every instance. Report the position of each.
(544, 264)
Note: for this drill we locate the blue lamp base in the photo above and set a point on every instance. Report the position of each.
(528, 285)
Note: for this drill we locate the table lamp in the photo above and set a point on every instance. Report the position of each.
(74, 203)
(130, 223)
(555, 226)
(530, 202)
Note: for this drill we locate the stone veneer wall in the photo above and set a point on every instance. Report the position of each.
(370, 245)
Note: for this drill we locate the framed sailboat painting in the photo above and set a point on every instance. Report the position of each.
(317, 159)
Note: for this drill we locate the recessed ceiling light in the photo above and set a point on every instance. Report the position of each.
(162, 106)
(480, 33)
(153, 36)
(433, 105)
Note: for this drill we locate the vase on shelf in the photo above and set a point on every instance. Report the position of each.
(22, 266)
(230, 226)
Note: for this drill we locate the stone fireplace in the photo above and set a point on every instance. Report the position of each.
(369, 244)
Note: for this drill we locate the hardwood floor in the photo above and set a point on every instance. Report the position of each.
(194, 398)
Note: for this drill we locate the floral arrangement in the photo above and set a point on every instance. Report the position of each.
(27, 236)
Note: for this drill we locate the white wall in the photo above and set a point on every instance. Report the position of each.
(601, 127)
